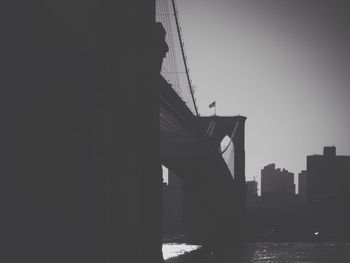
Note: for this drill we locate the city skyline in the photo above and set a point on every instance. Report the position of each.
(281, 64)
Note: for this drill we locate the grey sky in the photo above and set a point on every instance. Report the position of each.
(283, 64)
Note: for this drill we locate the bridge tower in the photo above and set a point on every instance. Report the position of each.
(225, 191)
(214, 195)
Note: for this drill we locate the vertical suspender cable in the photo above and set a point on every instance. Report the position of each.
(183, 55)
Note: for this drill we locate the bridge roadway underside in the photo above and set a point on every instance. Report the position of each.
(211, 201)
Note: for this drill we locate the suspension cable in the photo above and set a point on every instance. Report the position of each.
(183, 55)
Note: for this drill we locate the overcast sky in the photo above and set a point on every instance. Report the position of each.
(285, 64)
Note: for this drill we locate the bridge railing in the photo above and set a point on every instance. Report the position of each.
(175, 69)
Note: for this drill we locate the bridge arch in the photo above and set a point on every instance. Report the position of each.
(220, 127)
(225, 143)
(227, 151)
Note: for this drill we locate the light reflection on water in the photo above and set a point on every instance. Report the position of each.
(171, 250)
(297, 252)
(265, 252)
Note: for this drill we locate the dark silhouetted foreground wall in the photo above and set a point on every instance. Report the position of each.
(80, 170)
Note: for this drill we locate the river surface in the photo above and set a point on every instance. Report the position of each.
(261, 253)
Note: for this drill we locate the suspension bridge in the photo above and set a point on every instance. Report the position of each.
(190, 145)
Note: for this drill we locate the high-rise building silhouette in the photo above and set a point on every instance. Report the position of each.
(327, 191)
(302, 176)
(276, 180)
(328, 175)
(277, 190)
(252, 194)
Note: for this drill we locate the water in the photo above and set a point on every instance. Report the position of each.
(262, 253)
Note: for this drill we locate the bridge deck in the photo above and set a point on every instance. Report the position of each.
(182, 136)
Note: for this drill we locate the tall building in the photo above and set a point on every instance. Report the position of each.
(328, 175)
(252, 194)
(276, 180)
(303, 186)
(268, 178)
(277, 190)
(327, 190)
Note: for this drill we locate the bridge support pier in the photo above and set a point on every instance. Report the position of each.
(208, 215)
(240, 188)
(214, 200)
(132, 51)
(80, 174)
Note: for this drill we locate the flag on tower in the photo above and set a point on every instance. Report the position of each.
(211, 105)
